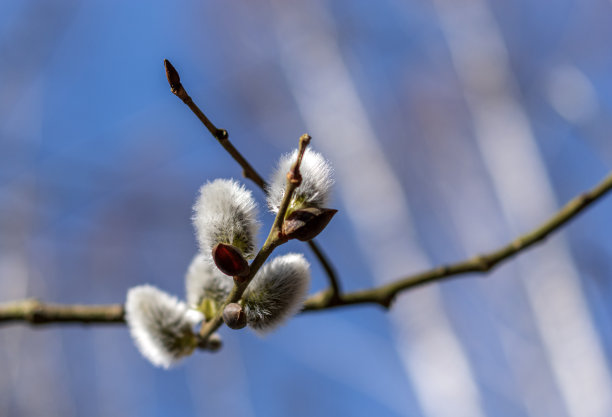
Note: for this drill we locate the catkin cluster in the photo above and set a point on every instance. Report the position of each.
(164, 328)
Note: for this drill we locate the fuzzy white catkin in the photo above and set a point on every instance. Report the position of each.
(316, 180)
(160, 324)
(277, 292)
(203, 280)
(225, 211)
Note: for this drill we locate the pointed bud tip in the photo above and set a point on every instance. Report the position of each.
(172, 74)
(229, 260)
(234, 316)
(305, 224)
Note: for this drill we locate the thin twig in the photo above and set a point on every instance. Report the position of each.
(221, 135)
(248, 171)
(35, 312)
(334, 282)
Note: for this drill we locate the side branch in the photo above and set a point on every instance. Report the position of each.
(385, 294)
(35, 312)
(248, 171)
(334, 282)
(220, 134)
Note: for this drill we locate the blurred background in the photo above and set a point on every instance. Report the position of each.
(453, 126)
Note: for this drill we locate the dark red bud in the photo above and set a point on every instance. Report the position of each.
(234, 316)
(172, 74)
(229, 260)
(304, 224)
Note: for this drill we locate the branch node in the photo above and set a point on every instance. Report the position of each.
(518, 244)
(387, 302)
(221, 135)
(33, 311)
(481, 263)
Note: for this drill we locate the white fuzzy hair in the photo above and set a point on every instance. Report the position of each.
(204, 280)
(225, 211)
(316, 180)
(277, 292)
(160, 324)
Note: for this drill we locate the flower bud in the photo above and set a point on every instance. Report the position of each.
(160, 324)
(304, 224)
(229, 260)
(234, 316)
(225, 212)
(315, 187)
(173, 76)
(206, 286)
(277, 292)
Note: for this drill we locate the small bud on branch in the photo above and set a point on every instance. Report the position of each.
(305, 224)
(315, 186)
(173, 77)
(234, 316)
(225, 212)
(229, 260)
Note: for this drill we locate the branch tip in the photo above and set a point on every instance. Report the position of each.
(173, 77)
(305, 139)
(294, 175)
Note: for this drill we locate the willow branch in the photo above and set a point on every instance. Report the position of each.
(275, 238)
(36, 312)
(220, 134)
(484, 263)
(248, 171)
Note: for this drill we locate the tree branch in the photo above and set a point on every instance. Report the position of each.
(36, 312)
(248, 171)
(478, 264)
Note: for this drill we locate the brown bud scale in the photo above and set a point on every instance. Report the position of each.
(305, 224)
(229, 260)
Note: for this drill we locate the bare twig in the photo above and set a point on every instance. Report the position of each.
(334, 282)
(248, 171)
(478, 264)
(220, 134)
(35, 312)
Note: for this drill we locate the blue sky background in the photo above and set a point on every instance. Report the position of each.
(453, 126)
